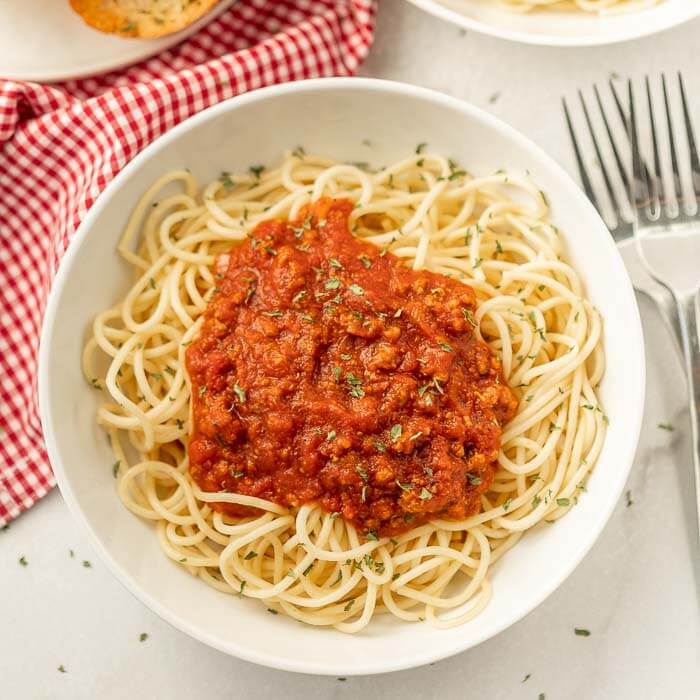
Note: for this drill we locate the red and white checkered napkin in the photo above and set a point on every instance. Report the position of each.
(60, 146)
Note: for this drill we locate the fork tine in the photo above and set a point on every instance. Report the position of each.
(616, 153)
(672, 145)
(599, 155)
(583, 173)
(626, 122)
(694, 162)
(658, 181)
(618, 104)
(638, 194)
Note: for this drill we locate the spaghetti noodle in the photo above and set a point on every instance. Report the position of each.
(491, 232)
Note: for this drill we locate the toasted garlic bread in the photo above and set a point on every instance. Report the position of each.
(145, 19)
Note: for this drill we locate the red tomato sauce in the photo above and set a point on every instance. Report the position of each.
(328, 371)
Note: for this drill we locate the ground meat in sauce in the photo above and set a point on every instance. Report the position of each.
(328, 371)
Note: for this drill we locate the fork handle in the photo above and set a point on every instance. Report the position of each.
(688, 317)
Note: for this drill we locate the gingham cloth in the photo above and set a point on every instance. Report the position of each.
(61, 145)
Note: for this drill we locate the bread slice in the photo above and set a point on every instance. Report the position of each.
(145, 19)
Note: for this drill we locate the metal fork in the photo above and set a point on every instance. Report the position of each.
(667, 228)
(652, 217)
(621, 229)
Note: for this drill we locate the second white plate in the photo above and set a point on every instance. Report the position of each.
(45, 41)
(561, 28)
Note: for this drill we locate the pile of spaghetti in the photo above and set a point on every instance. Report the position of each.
(602, 7)
(493, 233)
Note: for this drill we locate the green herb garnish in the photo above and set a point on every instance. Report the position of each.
(240, 393)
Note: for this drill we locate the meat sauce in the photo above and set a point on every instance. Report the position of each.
(328, 371)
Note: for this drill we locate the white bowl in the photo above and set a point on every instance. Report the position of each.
(548, 28)
(330, 116)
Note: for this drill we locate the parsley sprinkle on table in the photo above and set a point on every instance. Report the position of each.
(580, 632)
(143, 637)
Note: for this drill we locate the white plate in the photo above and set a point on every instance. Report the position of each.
(46, 41)
(231, 136)
(561, 28)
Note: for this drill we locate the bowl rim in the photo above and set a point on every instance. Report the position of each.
(233, 648)
(542, 39)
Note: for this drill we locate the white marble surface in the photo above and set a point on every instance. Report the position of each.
(634, 591)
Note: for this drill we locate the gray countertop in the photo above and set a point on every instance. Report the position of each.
(635, 590)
